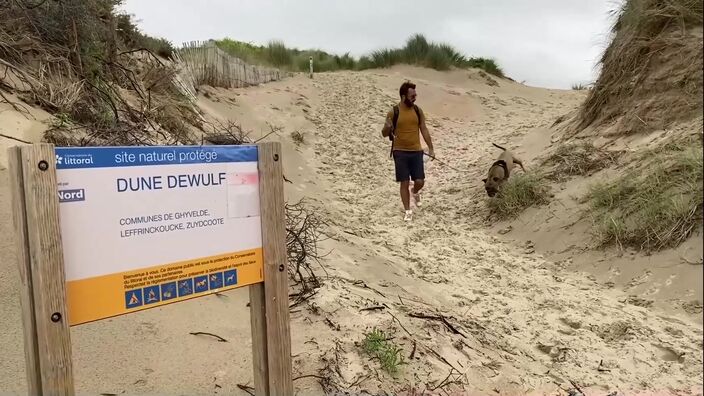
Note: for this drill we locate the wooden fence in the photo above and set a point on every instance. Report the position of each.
(206, 64)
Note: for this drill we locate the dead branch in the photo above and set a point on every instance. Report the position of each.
(375, 308)
(302, 236)
(440, 318)
(272, 130)
(228, 133)
(150, 53)
(302, 297)
(309, 376)
(19, 71)
(601, 367)
(14, 138)
(333, 325)
(434, 352)
(448, 381)
(108, 99)
(400, 324)
(247, 389)
(413, 352)
(364, 285)
(220, 339)
(15, 106)
(577, 387)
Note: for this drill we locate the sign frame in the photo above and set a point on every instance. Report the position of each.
(40, 260)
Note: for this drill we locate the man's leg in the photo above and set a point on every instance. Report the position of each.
(403, 176)
(418, 185)
(417, 173)
(405, 195)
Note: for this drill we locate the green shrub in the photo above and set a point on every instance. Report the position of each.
(488, 65)
(417, 51)
(379, 346)
(438, 59)
(278, 55)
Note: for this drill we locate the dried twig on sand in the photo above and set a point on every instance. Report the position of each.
(577, 387)
(453, 378)
(440, 318)
(220, 339)
(22, 110)
(227, 133)
(247, 389)
(374, 308)
(14, 138)
(273, 129)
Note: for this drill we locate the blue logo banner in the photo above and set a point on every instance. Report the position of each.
(110, 157)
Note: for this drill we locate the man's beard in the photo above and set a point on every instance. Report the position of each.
(408, 102)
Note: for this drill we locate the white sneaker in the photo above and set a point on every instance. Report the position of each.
(408, 216)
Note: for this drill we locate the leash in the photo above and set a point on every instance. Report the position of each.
(441, 162)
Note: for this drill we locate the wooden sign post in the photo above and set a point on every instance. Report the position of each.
(50, 289)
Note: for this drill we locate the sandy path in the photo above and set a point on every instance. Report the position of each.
(530, 315)
(525, 323)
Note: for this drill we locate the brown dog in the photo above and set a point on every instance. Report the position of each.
(500, 171)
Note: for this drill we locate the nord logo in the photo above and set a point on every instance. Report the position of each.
(72, 195)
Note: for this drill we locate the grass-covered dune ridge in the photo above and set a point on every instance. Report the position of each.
(418, 51)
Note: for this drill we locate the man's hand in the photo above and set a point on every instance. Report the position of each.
(386, 130)
(431, 153)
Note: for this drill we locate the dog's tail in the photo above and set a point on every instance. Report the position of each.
(499, 146)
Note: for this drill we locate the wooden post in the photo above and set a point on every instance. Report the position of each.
(275, 304)
(40, 258)
(257, 313)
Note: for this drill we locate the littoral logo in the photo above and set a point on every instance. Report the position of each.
(72, 195)
(72, 160)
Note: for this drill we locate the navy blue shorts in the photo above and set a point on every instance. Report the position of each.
(409, 165)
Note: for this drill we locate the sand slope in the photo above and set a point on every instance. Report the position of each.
(515, 323)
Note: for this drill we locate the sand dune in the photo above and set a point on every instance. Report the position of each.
(515, 322)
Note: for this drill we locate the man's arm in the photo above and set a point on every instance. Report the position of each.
(388, 124)
(426, 134)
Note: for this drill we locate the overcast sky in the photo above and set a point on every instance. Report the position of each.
(547, 43)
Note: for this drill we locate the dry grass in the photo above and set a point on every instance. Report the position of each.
(227, 133)
(69, 59)
(652, 70)
(654, 206)
(577, 159)
(517, 194)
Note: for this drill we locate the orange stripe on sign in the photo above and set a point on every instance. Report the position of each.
(106, 296)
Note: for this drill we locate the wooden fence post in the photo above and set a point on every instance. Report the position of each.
(257, 313)
(40, 259)
(278, 333)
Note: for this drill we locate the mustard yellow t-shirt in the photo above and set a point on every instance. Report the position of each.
(407, 128)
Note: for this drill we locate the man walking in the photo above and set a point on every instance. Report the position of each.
(401, 127)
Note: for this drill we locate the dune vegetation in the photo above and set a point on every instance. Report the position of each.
(418, 51)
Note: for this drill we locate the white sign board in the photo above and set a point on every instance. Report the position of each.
(147, 226)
